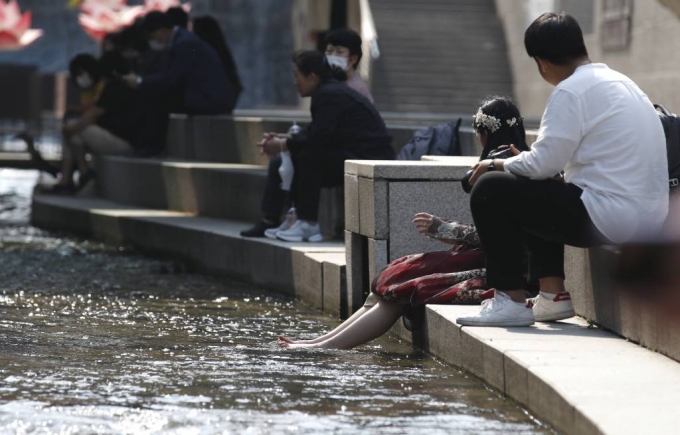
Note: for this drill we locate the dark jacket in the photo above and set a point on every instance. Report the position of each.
(195, 68)
(344, 119)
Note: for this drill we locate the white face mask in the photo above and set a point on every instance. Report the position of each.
(84, 81)
(157, 46)
(339, 61)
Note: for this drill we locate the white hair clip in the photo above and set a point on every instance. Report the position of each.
(488, 122)
(511, 121)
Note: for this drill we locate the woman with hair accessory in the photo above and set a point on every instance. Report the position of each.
(457, 276)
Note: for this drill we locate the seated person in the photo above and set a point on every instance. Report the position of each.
(599, 128)
(110, 126)
(178, 17)
(343, 49)
(208, 29)
(84, 72)
(194, 75)
(344, 126)
(457, 276)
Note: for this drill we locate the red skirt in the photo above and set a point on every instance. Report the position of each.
(442, 277)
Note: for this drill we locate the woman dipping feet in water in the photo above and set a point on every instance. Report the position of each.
(443, 277)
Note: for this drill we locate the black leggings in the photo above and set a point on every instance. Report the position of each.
(314, 168)
(514, 214)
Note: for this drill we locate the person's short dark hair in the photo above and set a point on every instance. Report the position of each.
(178, 16)
(347, 38)
(314, 62)
(154, 21)
(85, 63)
(113, 64)
(511, 128)
(556, 38)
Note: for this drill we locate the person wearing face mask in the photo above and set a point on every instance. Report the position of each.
(84, 72)
(112, 125)
(343, 49)
(194, 69)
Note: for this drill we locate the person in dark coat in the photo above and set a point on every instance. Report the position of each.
(345, 125)
(194, 69)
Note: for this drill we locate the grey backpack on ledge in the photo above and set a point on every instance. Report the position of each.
(440, 140)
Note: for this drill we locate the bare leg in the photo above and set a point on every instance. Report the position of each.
(552, 285)
(374, 323)
(360, 312)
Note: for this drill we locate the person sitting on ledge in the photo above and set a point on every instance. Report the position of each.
(441, 277)
(195, 75)
(602, 130)
(345, 126)
(343, 49)
(110, 126)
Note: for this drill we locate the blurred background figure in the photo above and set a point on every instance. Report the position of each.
(208, 29)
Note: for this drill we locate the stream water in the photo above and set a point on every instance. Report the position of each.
(101, 339)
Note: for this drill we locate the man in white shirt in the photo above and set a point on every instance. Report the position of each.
(604, 133)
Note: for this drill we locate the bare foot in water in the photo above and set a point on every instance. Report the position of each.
(284, 339)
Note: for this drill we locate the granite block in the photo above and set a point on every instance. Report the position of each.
(410, 170)
(377, 257)
(356, 250)
(472, 352)
(516, 378)
(577, 282)
(444, 199)
(352, 222)
(373, 214)
(335, 286)
(308, 278)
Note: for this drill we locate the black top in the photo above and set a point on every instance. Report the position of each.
(194, 66)
(344, 119)
(122, 111)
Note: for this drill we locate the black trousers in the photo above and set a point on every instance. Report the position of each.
(514, 214)
(314, 168)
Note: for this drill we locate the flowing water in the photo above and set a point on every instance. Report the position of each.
(101, 339)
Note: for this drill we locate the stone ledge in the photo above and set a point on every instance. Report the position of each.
(207, 244)
(223, 190)
(579, 380)
(455, 168)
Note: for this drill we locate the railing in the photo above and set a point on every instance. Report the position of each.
(369, 36)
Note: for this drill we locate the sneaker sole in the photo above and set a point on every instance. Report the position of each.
(313, 239)
(272, 236)
(503, 323)
(555, 317)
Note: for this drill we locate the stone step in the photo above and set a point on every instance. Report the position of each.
(578, 379)
(207, 245)
(221, 190)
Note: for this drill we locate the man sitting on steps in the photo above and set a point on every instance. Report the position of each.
(345, 125)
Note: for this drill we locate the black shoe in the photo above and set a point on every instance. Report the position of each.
(36, 159)
(85, 177)
(258, 229)
(61, 189)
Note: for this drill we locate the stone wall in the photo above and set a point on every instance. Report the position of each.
(652, 59)
(259, 33)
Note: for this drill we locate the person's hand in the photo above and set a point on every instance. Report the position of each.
(514, 150)
(132, 80)
(479, 169)
(427, 224)
(273, 146)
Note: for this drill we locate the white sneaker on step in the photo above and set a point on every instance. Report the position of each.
(500, 311)
(271, 232)
(301, 231)
(550, 307)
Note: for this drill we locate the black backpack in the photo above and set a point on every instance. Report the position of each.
(440, 140)
(671, 127)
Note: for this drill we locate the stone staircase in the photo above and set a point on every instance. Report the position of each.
(438, 56)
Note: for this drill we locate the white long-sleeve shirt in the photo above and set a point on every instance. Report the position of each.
(603, 131)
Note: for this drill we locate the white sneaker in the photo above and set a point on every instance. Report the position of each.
(271, 232)
(548, 307)
(500, 311)
(302, 230)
